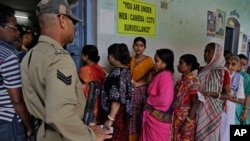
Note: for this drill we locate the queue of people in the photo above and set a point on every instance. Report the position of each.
(138, 100)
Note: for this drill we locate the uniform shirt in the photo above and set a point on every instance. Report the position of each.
(52, 90)
(9, 78)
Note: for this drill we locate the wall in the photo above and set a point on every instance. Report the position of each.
(181, 27)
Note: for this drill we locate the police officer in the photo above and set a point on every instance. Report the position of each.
(51, 87)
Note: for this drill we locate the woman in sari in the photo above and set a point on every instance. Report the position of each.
(116, 93)
(186, 100)
(91, 71)
(156, 124)
(140, 67)
(215, 82)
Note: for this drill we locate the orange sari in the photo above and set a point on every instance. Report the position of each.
(89, 73)
(141, 72)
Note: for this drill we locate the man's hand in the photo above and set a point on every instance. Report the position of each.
(101, 134)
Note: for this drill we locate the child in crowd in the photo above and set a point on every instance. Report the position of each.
(186, 100)
(243, 109)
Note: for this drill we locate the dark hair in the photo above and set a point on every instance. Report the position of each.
(92, 52)
(167, 56)
(227, 52)
(120, 52)
(140, 39)
(190, 59)
(242, 56)
(5, 13)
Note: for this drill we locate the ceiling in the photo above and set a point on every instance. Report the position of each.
(27, 8)
(24, 8)
(22, 5)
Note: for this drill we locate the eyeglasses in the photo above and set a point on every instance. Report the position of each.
(14, 28)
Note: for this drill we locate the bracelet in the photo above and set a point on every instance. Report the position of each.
(188, 119)
(219, 95)
(110, 118)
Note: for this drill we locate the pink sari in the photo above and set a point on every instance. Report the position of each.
(161, 94)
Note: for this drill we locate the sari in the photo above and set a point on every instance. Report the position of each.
(90, 73)
(186, 87)
(117, 87)
(140, 71)
(209, 112)
(160, 97)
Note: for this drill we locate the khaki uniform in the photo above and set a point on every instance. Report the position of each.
(52, 92)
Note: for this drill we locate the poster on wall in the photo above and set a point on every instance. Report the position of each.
(135, 17)
(244, 43)
(220, 23)
(211, 23)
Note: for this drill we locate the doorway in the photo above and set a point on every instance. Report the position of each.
(232, 35)
(229, 39)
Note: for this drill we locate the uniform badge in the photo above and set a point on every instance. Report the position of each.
(65, 79)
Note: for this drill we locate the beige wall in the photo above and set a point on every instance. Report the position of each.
(181, 27)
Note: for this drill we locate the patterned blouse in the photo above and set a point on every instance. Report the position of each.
(117, 87)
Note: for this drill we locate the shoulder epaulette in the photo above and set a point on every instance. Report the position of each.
(61, 51)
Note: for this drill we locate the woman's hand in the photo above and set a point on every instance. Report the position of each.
(183, 128)
(244, 115)
(108, 124)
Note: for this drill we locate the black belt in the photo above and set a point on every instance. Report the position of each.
(48, 127)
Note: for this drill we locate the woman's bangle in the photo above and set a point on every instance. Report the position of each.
(219, 95)
(110, 118)
(188, 119)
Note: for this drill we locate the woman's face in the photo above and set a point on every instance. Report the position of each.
(84, 58)
(183, 67)
(111, 59)
(159, 64)
(139, 47)
(208, 53)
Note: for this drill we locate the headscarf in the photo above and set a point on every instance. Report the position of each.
(217, 63)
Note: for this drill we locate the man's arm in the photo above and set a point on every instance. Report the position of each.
(20, 107)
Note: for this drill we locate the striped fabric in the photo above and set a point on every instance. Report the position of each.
(209, 112)
(9, 78)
